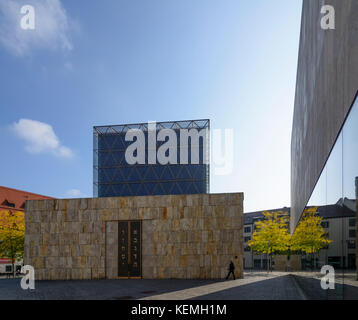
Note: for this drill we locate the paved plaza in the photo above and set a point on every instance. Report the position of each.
(255, 286)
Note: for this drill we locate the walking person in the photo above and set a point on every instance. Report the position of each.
(231, 270)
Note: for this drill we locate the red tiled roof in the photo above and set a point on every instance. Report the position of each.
(14, 200)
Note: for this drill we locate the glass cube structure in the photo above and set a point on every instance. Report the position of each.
(113, 176)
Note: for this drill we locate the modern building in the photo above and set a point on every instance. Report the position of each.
(185, 152)
(149, 237)
(334, 216)
(150, 218)
(324, 146)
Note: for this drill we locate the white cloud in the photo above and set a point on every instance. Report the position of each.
(52, 27)
(40, 138)
(74, 193)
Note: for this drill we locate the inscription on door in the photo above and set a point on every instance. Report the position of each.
(129, 249)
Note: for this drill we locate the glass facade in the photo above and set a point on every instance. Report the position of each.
(113, 176)
(335, 197)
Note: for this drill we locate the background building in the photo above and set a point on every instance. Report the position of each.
(334, 217)
(327, 83)
(324, 146)
(14, 200)
(113, 176)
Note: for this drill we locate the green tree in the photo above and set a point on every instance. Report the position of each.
(271, 235)
(309, 236)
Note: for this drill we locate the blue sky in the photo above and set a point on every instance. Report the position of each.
(113, 62)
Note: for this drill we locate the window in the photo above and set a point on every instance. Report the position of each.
(352, 233)
(351, 244)
(247, 229)
(325, 224)
(246, 239)
(352, 222)
(8, 204)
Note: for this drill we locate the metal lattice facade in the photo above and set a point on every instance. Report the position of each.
(113, 176)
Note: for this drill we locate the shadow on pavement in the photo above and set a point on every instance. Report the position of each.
(313, 291)
(95, 289)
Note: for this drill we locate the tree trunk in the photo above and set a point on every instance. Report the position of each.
(271, 261)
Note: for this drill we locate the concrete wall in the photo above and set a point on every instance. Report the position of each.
(184, 237)
(327, 82)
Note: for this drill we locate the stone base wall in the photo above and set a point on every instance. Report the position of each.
(283, 264)
(183, 236)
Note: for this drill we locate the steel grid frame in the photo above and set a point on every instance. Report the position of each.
(117, 176)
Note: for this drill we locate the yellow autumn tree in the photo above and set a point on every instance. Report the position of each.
(12, 235)
(271, 235)
(309, 236)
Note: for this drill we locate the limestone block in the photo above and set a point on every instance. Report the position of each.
(50, 262)
(193, 272)
(94, 262)
(72, 214)
(29, 206)
(112, 203)
(181, 212)
(147, 272)
(34, 251)
(102, 250)
(95, 250)
(85, 250)
(97, 238)
(122, 202)
(84, 238)
(73, 205)
(94, 273)
(63, 205)
(72, 238)
(34, 228)
(188, 212)
(38, 262)
(182, 273)
(85, 215)
(67, 227)
(60, 218)
(37, 205)
(145, 213)
(148, 248)
(101, 273)
(65, 250)
(87, 227)
(215, 273)
(76, 274)
(44, 227)
(140, 202)
(36, 216)
(75, 250)
(54, 239)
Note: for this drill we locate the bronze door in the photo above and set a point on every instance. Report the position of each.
(129, 249)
